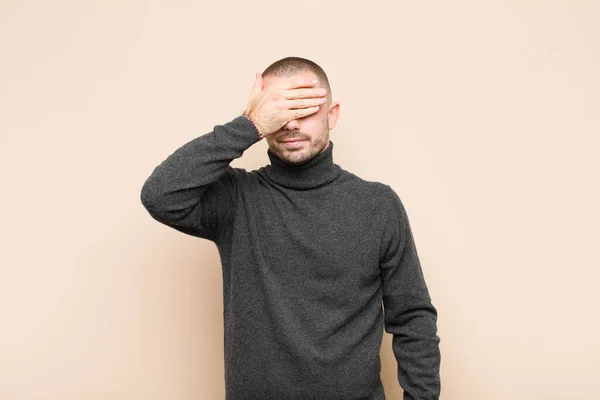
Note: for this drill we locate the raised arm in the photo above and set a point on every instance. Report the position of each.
(409, 314)
(194, 189)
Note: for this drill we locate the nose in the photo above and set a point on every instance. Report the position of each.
(292, 125)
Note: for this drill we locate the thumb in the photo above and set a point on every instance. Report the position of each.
(258, 85)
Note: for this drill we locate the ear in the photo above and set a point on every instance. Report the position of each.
(333, 114)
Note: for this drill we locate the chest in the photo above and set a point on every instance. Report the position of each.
(324, 235)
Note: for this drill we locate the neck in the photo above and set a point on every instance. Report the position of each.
(317, 171)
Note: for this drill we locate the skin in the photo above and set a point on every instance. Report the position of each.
(313, 128)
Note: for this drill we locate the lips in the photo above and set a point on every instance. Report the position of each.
(293, 143)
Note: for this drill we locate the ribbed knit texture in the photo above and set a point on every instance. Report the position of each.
(309, 254)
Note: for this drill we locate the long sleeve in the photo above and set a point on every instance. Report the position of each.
(194, 189)
(409, 314)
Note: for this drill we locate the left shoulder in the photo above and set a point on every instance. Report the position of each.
(373, 188)
(380, 195)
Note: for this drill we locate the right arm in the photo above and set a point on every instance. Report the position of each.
(194, 189)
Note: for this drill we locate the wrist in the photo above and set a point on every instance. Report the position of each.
(259, 133)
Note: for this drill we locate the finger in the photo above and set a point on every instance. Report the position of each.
(298, 82)
(304, 93)
(305, 103)
(302, 112)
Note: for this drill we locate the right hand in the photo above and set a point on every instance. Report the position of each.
(274, 107)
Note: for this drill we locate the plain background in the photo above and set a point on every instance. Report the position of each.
(482, 115)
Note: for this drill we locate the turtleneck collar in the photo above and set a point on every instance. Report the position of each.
(317, 171)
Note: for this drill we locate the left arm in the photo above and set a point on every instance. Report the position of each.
(409, 314)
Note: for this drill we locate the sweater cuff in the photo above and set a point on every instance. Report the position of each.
(244, 123)
(258, 132)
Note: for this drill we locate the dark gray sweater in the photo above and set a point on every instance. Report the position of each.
(309, 253)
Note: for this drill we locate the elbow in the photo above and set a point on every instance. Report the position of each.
(149, 198)
(145, 195)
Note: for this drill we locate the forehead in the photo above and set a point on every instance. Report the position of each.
(304, 75)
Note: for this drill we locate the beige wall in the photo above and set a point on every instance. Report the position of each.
(482, 115)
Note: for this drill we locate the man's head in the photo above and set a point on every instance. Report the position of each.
(314, 128)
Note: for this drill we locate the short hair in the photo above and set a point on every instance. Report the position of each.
(289, 66)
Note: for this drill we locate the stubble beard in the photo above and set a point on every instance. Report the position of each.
(301, 156)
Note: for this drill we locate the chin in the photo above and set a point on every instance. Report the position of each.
(296, 157)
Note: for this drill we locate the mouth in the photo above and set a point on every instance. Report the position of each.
(293, 142)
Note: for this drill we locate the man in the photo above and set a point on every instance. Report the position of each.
(309, 251)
